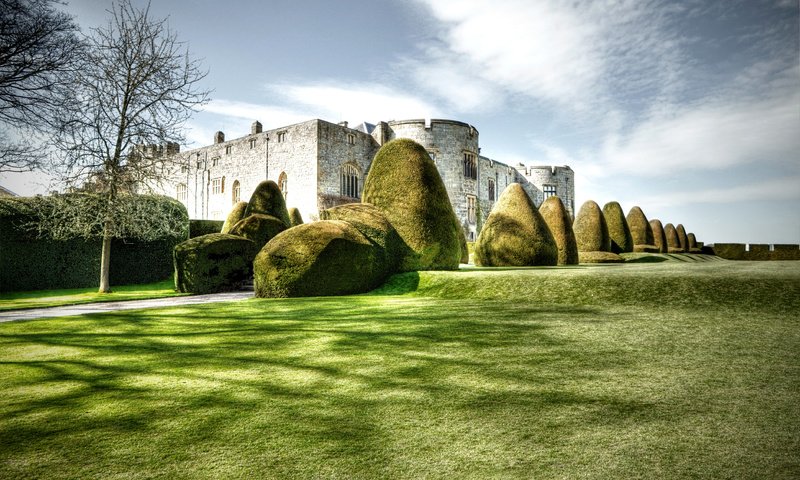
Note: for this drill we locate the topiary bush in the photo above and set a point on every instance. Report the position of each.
(236, 214)
(591, 231)
(641, 231)
(462, 243)
(198, 228)
(659, 237)
(559, 222)
(599, 257)
(295, 217)
(259, 228)
(267, 199)
(618, 230)
(405, 185)
(673, 242)
(328, 257)
(216, 262)
(692, 244)
(682, 237)
(515, 234)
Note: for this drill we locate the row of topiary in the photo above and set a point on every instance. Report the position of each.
(404, 223)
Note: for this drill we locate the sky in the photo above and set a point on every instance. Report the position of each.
(688, 109)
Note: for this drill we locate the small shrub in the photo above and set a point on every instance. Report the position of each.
(258, 228)
(295, 217)
(591, 231)
(236, 214)
(267, 199)
(618, 230)
(693, 246)
(216, 262)
(404, 183)
(673, 243)
(560, 224)
(682, 237)
(659, 237)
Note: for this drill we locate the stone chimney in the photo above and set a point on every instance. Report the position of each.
(343, 124)
(256, 127)
(219, 137)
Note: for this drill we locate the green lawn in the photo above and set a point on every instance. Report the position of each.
(76, 296)
(658, 370)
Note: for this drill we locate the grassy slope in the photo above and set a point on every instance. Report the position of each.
(76, 296)
(668, 370)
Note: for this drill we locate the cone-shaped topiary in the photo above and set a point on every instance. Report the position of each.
(259, 228)
(328, 257)
(618, 230)
(591, 231)
(515, 234)
(405, 185)
(659, 237)
(560, 224)
(295, 217)
(682, 238)
(267, 199)
(641, 231)
(673, 242)
(693, 246)
(374, 225)
(216, 262)
(236, 214)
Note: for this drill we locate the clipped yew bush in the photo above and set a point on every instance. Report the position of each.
(559, 222)
(405, 185)
(216, 262)
(295, 217)
(462, 243)
(236, 214)
(618, 231)
(641, 231)
(673, 242)
(659, 237)
(328, 257)
(267, 199)
(515, 234)
(259, 228)
(374, 225)
(682, 237)
(591, 234)
(692, 243)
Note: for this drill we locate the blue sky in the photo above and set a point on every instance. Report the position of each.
(689, 109)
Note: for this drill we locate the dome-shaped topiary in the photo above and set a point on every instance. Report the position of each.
(673, 242)
(618, 230)
(236, 214)
(591, 231)
(682, 238)
(693, 246)
(259, 228)
(267, 199)
(405, 185)
(515, 234)
(659, 237)
(641, 231)
(295, 217)
(328, 257)
(216, 262)
(560, 224)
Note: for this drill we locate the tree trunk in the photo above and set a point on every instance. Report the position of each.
(105, 262)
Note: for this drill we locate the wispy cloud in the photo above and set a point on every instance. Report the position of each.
(780, 189)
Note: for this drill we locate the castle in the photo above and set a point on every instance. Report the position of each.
(319, 164)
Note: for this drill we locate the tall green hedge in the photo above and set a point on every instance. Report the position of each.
(29, 261)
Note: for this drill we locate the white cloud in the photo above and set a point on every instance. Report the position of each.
(780, 189)
(251, 111)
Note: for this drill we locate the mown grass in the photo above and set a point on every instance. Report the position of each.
(77, 296)
(667, 370)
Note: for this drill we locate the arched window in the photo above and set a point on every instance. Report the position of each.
(349, 181)
(236, 191)
(282, 183)
(180, 191)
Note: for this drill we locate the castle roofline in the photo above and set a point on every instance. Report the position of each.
(431, 121)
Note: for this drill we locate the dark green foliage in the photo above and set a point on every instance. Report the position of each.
(591, 231)
(730, 251)
(323, 258)
(659, 237)
(682, 237)
(258, 228)
(641, 231)
(618, 230)
(599, 257)
(785, 252)
(267, 199)
(405, 185)
(31, 260)
(560, 224)
(673, 242)
(236, 214)
(198, 228)
(463, 245)
(374, 225)
(295, 217)
(692, 243)
(515, 234)
(216, 262)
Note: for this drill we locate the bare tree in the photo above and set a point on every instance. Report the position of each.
(39, 47)
(138, 86)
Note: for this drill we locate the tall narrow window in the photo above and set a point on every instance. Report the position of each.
(281, 137)
(471, 208)
(180, 191)
(216, 186)
(470, 166)
(236, 192)
(351, 139)
(492, 191)
(349, 181)
(283, 183)
(549, 191)
(252, 143)
(228, 149)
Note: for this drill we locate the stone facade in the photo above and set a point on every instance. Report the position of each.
(319, 164)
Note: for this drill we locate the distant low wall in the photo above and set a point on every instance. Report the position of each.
(756, 251)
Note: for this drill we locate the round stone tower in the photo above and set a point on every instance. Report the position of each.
(549, 181)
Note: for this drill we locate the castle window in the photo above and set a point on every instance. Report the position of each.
(252, 143)
(470, 166)
(281, 137)
(215, 161)
(492, 191)
(549, 191)
(216, 186)
(349, 181)
(228, 149)
(351, 139)
(471, 202)
(236, 191)
(184, 168)
(283, 183)
(180, 190)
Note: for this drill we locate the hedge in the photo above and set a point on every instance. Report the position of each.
(216, 262)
